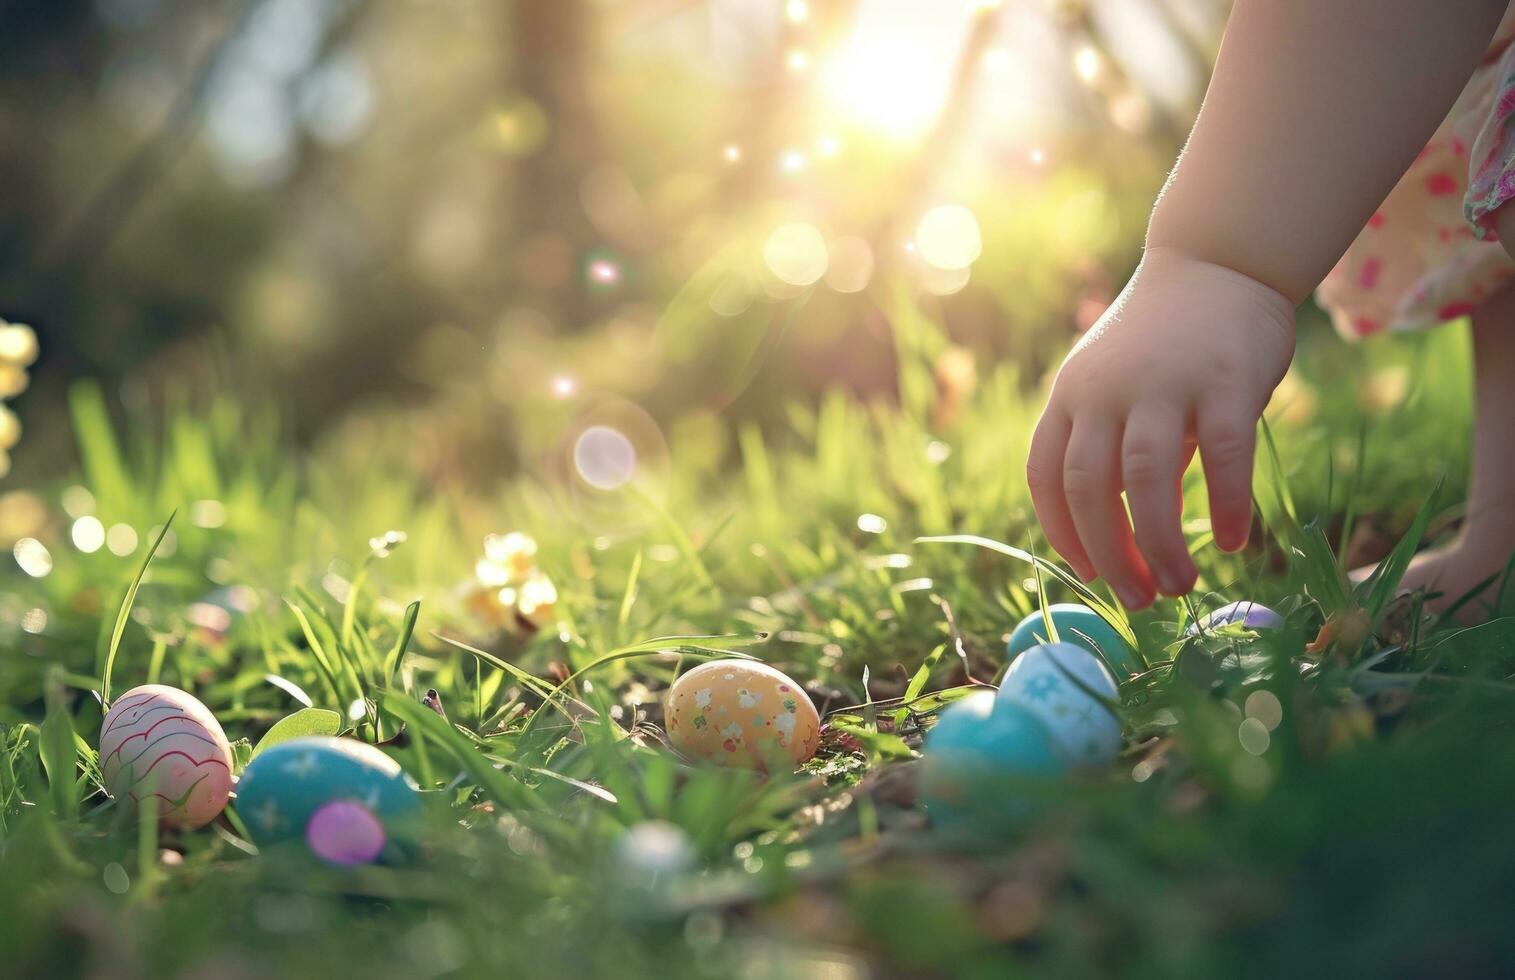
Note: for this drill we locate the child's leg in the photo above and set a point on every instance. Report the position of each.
(1487, 538)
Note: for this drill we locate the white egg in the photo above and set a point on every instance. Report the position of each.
(653, 850)
(1062, 686)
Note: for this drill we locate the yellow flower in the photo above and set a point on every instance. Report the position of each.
(10, 428)
(13, 379)
(511, 591)
(18, 344)
(536, 599)
(491, 573)
(515, 551)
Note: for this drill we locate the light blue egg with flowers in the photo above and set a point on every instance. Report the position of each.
(977, 761)
(1069, 690)
(346, 799)
(1080, 625)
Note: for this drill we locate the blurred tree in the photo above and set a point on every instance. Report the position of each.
(484, 206)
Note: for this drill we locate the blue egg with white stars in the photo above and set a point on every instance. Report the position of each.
(976, 764)
(1079, 625)
(321, 777)
(1062, 685)
(1252, 615)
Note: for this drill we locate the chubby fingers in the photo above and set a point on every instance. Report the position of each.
(1227, 442)
(1044, 475)
(1092, 486)
(1153, 459)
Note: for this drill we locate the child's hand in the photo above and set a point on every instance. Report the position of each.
(1188, 354)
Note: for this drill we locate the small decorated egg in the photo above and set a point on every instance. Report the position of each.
(975, 761)
(649, 870)
(742, 713)
(1057, 682)
(346, 799)
(1079, 625)
(1252, 615)
(160, 745)
(653, 850)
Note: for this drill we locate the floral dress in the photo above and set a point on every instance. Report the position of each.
(1430, 253)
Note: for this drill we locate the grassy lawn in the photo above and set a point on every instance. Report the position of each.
(1366, 833)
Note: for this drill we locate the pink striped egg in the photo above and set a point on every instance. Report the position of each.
(160, 744)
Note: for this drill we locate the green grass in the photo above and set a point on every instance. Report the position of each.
(1369, 837)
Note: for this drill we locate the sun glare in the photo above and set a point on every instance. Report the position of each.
(886, 84)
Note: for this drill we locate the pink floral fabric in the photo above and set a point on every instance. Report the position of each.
(1430, 253)
(1493, 182)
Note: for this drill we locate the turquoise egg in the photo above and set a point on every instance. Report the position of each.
(1061, 684)
(1080, 625)
(306, 788)
(978, 764)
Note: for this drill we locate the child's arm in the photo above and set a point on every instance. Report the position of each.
(1315, 110)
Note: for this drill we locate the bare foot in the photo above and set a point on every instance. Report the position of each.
(1476, 560)
(1471, 567)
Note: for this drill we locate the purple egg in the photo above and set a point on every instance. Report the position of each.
(1252, 615)
(344, 832)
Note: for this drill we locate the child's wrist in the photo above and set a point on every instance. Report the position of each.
(1164, 260)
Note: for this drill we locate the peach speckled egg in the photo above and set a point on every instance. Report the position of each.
(160, 744)
(741, 713)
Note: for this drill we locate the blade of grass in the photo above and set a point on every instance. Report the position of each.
(59, 757)
(629, 597)
(350, 606)
(125, 609)
(1110, 613)
(1379, 587)
(528, 680)
(1042, 604)
(99, 449)
(675, 530)
(918, 682)
(1349, 521)
(496, 784)
(723, 645)
(328, 674)
(397, 652)
(344, 662)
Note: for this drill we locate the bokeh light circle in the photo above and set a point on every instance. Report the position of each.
(948, 237)
(851, 265)
(88, 534)
(604, 457)
(796, 253)
(942, 282)
(613, 458)
(345, 832)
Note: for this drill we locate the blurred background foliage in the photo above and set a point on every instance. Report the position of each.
(507, 214)
(478, 239)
